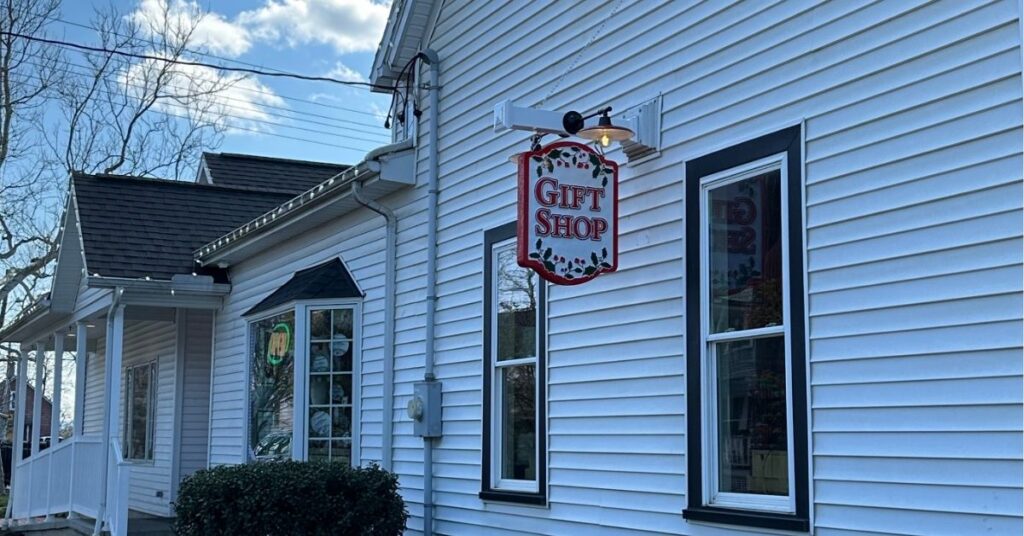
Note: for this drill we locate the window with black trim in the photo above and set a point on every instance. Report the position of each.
(747, 409)
(514, 428)
(140, 402)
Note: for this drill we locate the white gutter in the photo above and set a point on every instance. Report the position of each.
(101, 512)
(432, 59)
(390, 268)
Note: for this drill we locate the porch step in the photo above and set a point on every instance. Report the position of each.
(137, 526)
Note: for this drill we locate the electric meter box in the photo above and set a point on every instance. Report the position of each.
(427, 396)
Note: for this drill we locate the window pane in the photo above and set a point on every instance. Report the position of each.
(518, 423)
(320, 357)
(320, 324)
(342, 351)
(746, 253)
(517, 308)
(272, 370)
(752, 433)
(139, 398)
(319, 390)
(330, 385)
(343, 323)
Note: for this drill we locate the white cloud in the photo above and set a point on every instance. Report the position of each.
(346, 25)
(346, 73)
(212, 31)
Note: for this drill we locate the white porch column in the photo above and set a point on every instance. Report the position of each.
(20, 408)
(115, 345)
(111, 406)
(58, 366)
(37, 401)
(81, 357)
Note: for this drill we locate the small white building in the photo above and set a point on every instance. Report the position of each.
(815, 325)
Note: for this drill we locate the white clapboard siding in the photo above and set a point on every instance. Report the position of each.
(913, 164)
(194, 432)
(912, 115)
(92, 419)
(359, 240)
(152, 342)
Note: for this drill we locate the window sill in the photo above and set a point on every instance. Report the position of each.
(747, 518)
(516, 497)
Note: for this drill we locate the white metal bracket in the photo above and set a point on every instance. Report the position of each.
(508, 116)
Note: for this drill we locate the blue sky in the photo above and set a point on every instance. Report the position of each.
(316, 37)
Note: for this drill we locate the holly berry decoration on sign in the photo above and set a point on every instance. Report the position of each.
(568, 213)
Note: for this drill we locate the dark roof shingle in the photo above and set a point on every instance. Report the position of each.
(328, 280)
(136, 228)
(265, 174)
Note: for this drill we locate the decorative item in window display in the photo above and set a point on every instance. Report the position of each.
(320, 357)
(320, 423)
(279, 344)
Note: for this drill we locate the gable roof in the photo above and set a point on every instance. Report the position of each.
(136, 228)
(265, 174)
(323, 281)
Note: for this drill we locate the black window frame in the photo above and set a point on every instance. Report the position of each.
(487, 492)
(783, 141)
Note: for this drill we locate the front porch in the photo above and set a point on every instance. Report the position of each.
(130, 418)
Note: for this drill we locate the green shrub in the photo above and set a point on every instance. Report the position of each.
(290, 498)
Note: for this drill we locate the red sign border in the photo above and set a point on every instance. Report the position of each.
(523, 218)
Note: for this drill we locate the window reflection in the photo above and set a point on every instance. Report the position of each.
(745, 247)
(517, 308)
(272, 370)
(752, 431)
(519, 420)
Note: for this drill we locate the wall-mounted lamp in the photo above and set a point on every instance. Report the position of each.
(604, 133)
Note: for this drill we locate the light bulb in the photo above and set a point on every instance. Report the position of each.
(605, 141)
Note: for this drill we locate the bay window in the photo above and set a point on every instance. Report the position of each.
(745, 350)
(514, 430)
(304, 368)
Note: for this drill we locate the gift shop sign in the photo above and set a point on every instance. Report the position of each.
(568, 213)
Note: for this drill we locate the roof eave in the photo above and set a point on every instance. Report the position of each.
(384, 170)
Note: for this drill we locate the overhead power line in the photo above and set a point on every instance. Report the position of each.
(83, 70)
(168, 100)
(198, 53)
(259, 72)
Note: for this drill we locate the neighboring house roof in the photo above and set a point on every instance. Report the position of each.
(324, 281)
(264, 174)
(137, 228)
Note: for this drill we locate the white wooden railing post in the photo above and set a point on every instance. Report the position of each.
(58, 357)
(37, 401)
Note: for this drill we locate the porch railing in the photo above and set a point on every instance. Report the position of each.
(63, 478)
(116, 516)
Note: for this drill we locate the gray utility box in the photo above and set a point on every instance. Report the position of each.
(425, 408)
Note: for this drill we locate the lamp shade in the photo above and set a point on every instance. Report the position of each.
(605, 132)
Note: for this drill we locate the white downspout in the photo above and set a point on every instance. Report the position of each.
(430, 56)
(390, 306)
(111, 377)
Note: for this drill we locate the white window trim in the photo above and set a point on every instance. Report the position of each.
(127, 427)
(498, 483)
(709, 402)
(300, 381)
